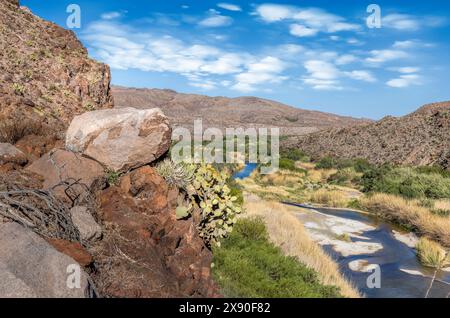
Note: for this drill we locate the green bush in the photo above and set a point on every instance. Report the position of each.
(248, 265)
(346, 176)
(326, 163)
(295, 155)
(406, 182)
(288, 164)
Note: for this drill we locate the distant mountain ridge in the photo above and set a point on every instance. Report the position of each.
(223, 112)
(420, 138)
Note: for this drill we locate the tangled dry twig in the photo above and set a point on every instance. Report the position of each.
(40, 211)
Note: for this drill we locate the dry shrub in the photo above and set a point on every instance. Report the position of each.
(281, 179)
(320, 175)
(12, 130)
(410, 214)
(287, 232)
(331, 198)
(431, 254)
(442, 205)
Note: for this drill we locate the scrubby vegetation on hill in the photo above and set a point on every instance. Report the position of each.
(420, 138)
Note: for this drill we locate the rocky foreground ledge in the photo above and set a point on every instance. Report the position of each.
(96, 202)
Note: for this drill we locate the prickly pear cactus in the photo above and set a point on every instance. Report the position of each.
(219, 208)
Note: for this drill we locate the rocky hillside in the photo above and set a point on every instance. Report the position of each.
(87, 212)
(223, 112)
(420, 138)
(46, 76)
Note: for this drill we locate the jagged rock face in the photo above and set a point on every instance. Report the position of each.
(420, 138)
(45, 73)
(146, 252)
(121, 139)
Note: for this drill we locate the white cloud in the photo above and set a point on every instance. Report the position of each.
(406, 22)
(266, 70)
(365, 76)
(204, 85)
(401, 22)
(215, 21)
(302, 31)
(408, 69)
(274, 12)
(410, 44)
(310, 21)
(322, 75)
(405, 81)
(381, 56)
(111, 15)
(229, 6)
(346, 59)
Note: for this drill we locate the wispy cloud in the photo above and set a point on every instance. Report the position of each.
(216, 20)
(267, 70)
(229, 6)
(404, 81)
(305, 21)
(382, 56)
(111, 15)
(406, 22)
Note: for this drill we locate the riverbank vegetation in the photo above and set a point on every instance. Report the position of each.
(287, 232)
(247, 264)
(417, 198)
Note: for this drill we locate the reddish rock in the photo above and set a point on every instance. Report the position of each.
(154, 255)
(11, 155)
(60, 165)
(35, 146)
(74, 250)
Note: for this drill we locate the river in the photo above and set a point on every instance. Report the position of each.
(360, 242)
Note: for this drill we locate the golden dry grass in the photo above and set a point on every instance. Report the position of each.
(320, 175)
(281, 179)
(409, 213)
(287, 232)
(443, 205)
(330, 198)
(431, 254)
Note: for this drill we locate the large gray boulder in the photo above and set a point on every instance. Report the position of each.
(31, 268)
(121, 139)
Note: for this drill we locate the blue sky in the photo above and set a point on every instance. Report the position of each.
(317, 54)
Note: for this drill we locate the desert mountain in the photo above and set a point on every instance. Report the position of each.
(420, 138)
(223, 112)
(46, 76)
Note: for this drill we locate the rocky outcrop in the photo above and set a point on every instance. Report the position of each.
(60, 165)
(46, 76)
(12, 155)
(420, 138)
(158, 255)
(30, 267)
(121, 139)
